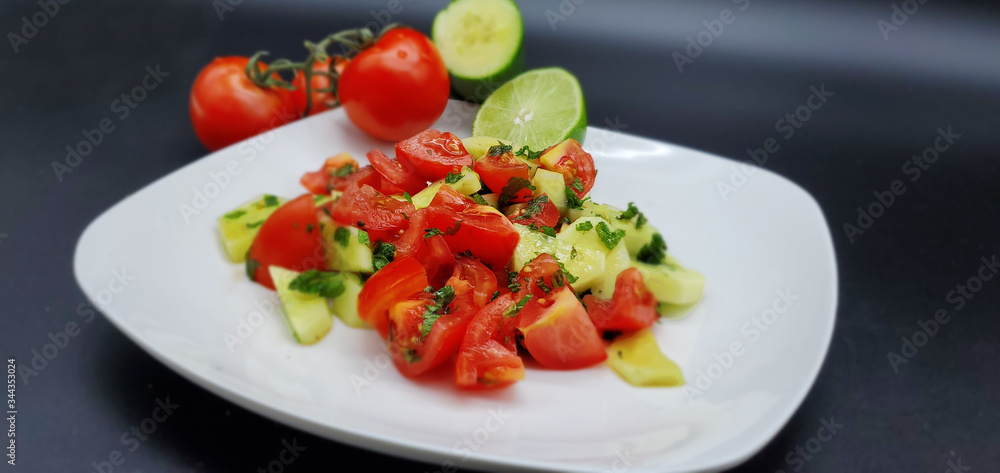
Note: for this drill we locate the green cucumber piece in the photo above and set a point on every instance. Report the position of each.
(672, 283)
(553, 185)
(347, 248)
(239, 227)
(635, 238)
(586, 264)
(480, 42)
(308, 315)
(345, 305)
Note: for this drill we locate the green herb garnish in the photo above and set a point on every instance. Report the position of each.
(479, 199)
(383, 254)
(653, 252)
(513, 187)
(432, 232)
(255, 224)
(345, 170)
(498, 149)
(235, 214)
(363, 237)
(408, 197)
(584, 227)
(442, 297)
(452, 178)
(252, 267)
(528, 154)
(609, 238)
(574, 202)
(324, 284)
(271, 201)
(630, 213)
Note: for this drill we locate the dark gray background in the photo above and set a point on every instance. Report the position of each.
(940, 69)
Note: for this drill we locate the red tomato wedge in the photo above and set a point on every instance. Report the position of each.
(289, 238)
(497, 169)
(484, 360)
(434, 254)
(415, 349)
(332, 176)
(539, 211)
(558, 333)
(540, 277)
(393, 171)
(482, 281)
(569, 159)
(632, 307)
(383, 217)
(433, 154)
(398, 281)
(480, 230)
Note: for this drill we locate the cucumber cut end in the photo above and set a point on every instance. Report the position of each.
(479, 39)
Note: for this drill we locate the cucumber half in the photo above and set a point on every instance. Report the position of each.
(481, 44)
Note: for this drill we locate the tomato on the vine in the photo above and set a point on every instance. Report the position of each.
(320, 100)
(397, 87)
(227, 107)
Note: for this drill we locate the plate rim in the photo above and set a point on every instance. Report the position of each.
(433, 453)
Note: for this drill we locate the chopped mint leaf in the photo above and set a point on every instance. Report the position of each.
(514, 309)
(452, 178)
(235, 214)
(653, 252)
(271, 201)
(442, 297)
(639, 222)
(569, 276)
(577, 184)
(432, 232)
(325, 284)
(255, 224)
(584, 227)
(630, 213)
(572, 201)
(542, 285)
(363, 237)
(345, 170)
(543, 229)
(408, 197)
(252, 267)
(479, 199)
(342, 236)
(498, 149)
(494, 296)
(514, 186)
(310, 227)
(609, 238)
(533, 208)
(454, 228)
(383, 254)
(528, 154)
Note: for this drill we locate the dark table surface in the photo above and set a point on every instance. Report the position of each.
(891, 94)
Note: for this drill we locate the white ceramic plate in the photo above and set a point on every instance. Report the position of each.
(764, 245)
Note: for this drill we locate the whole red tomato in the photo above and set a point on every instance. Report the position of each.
(320, 100)
(226, 107)
(396, 88)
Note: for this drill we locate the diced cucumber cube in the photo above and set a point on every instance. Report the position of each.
(308, 315)
(239, 227)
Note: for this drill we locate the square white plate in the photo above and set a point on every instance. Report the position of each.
(765, 249)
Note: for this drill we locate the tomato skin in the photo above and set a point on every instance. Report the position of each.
(558, 333)
(393, 171)
(481, 230)
(484, 360)
(434, 254)
(496, 171)
(540, 277)
(433, 154)
(383, 217)
(450, 198)
(396, 88)
(569, 159)
(289, 238)
(414, 354)
(326, 180)
(546, 216)
(226, 107)
(320, 100)
(632, 307)
(397, 281)
(481, 279)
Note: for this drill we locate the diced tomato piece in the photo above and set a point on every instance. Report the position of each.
(481, 230)
(484, 360)
(496, 170)
(415, 351)
(632, 307)
(539, 211)
(396, 282)
(289, 238)
(540, 277)
(383, 217)
(452, 199)
(569, 159)
(558, 333)
(434, 254)
(481, 279)
(433, 154)
(327, 178)
(393, 171)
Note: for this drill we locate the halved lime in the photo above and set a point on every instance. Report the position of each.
(539, 108)
(481, 44)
